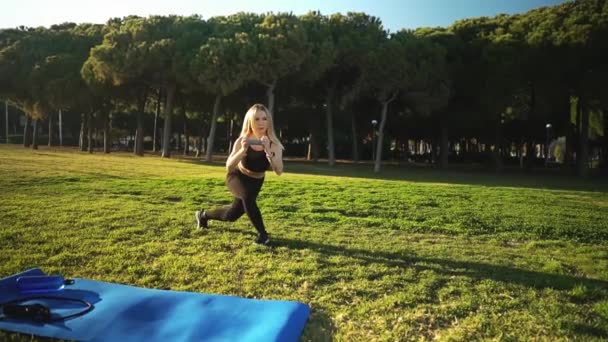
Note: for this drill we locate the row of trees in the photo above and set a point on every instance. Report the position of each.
(493, 82)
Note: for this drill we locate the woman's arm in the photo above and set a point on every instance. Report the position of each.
(275, 157)
(239, 151)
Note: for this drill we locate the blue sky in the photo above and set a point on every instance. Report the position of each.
(395, 14)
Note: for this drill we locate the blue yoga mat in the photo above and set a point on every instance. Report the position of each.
(128, 313)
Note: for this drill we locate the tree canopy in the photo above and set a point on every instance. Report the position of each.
(439, 87)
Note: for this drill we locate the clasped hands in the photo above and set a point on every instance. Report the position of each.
(265, 143)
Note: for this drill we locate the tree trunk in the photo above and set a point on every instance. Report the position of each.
(486, 148)
(605, 145)
(106, 133)
(60, 129)
(90, 132)
(396, 151)
(203, 139)
(381, 131)
(530, 154)
(6, 118)
(570, 136)
(312, 152)
(216, 110)
(50, 129)
(231, 135)
(139, 133)
(154, 132)
(199, 146)
(178, 141)
(353, 127)
(26, 132)
(530, 144)
(520, 153)
(83, 125)
(444, 146)
(583, 167)
(331, 159)
(313, 141)
(380, 137)
(160, 137)
(434, 147)
(156, 115)
(35, 135)
(186, 136)
(167, 127)
(577, 135)
(498, 162)
(270, 95)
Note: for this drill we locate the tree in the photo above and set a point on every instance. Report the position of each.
(59, 76)
(502, 65)
(97, 93)
(401, 64)
(310, 77)
(221, 66)
(23, 62)
(146, 53)
(279, 46)
(445, 85)
(353, 36)
(123, 60)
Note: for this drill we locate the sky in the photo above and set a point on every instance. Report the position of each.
(395, 14)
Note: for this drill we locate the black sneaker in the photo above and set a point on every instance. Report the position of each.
(201, 219)
(263, 239)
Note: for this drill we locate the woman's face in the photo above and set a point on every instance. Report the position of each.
(260, 123)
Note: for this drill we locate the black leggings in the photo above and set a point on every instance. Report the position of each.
(245, 190)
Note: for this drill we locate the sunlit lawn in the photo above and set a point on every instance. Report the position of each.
(408, 254)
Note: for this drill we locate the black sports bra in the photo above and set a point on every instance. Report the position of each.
(256, 161)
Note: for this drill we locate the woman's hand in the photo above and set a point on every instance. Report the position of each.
(244, 146)
(239, 151)
(266, 143)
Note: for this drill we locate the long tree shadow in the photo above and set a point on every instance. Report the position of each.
(476, 270)
(553, 179)
(321, 328)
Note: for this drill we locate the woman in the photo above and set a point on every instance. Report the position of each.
(256, 150)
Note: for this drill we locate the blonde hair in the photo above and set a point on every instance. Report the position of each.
(249, 121)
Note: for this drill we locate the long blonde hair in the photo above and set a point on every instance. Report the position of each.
(249, 121)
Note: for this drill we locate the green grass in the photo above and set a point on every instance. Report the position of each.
(408, 254)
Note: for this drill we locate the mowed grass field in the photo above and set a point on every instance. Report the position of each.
(408, 254)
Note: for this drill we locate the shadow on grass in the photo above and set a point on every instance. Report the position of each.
(586, 329)
(319, 327)
(539, 179)
(474, 270)
(551, 179)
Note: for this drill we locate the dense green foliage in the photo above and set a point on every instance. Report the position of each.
(492, 83)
